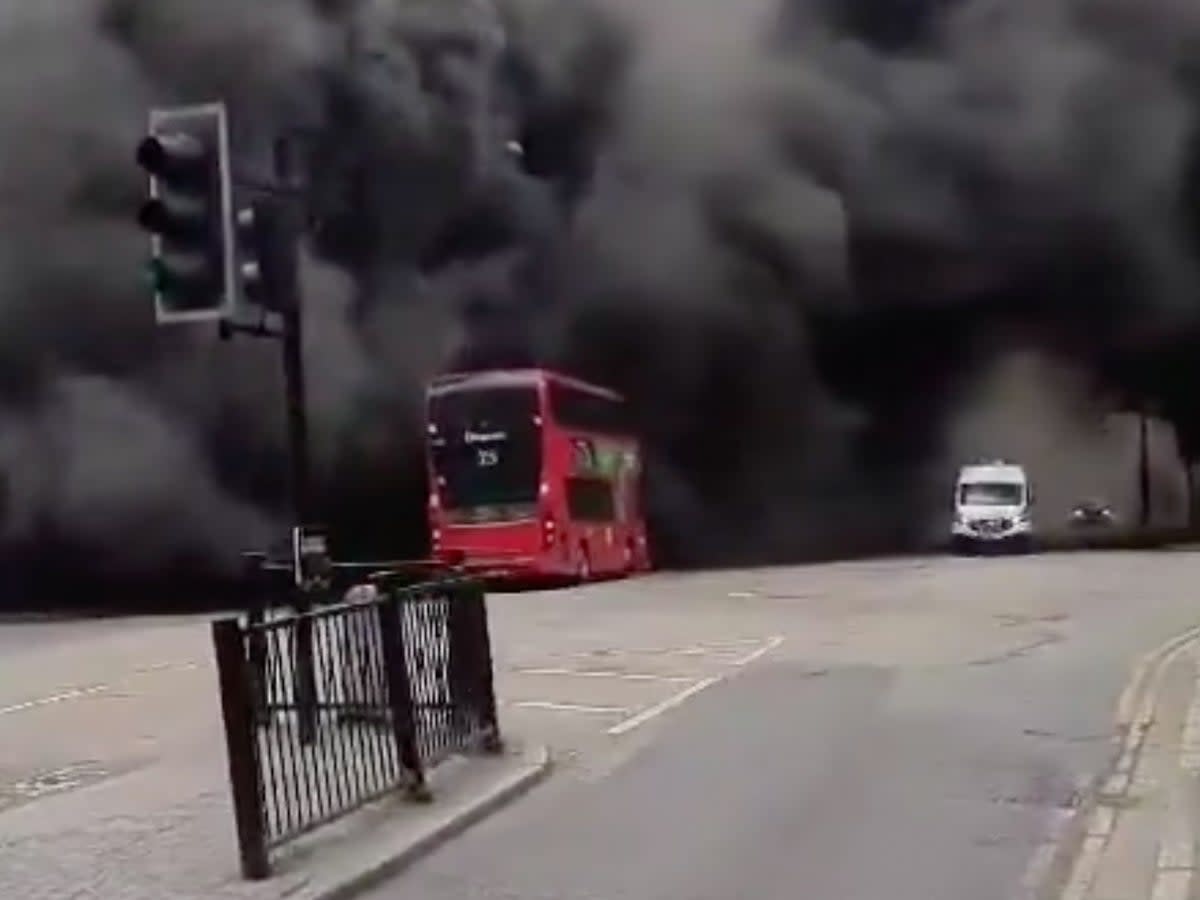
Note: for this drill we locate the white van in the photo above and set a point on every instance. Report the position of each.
(992, 507)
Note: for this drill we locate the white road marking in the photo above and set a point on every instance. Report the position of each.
(601, 673)
(93, 690)
(762, 651)
(698, 649)
(166, 667)
(55, 698)
(659, 708)
(570, 707)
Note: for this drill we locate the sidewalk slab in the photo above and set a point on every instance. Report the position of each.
(1150, 806)
(167, 831)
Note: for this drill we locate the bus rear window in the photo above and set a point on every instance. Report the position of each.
(483, 410)
(485, 448)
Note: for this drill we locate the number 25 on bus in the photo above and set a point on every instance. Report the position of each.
(533, 475)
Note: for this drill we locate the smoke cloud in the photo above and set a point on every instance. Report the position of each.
(793, 232)
(1071, 443)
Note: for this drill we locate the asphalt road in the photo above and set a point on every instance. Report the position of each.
(33, 634)
(902, 730)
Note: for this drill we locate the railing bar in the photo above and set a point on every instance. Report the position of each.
(391, 753)
(370, 773)
(346, 796)
(305, 786)
(322, 772)
(282, 731)
(273, 757)
(366, 773)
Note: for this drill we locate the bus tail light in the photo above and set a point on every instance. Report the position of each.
(549, 532)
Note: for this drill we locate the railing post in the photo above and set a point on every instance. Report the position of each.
(256, 614)
(305, 683)
(233, 672)
(472, 641)
(404, 726)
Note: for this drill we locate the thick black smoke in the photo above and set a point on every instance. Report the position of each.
(790, 230)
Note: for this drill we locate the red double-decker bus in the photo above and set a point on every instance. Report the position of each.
(533, 475)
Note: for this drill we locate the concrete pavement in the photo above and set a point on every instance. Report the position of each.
(1139, 836)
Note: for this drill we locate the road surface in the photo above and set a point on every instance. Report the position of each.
(907, 730)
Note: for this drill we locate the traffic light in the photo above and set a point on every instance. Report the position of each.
(266, 256)
(186, 155)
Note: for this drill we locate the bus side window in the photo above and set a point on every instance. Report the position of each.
(590, 500)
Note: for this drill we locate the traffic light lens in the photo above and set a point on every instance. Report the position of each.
(151, 154)
(157, 276)
(152, 215)
(181, 156)
(186, 222)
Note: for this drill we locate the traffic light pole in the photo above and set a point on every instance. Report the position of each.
(276, 241)
(291, 338)
(297, 412)
(189, 215)
(297, 428)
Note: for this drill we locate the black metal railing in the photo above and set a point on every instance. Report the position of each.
(329, 709)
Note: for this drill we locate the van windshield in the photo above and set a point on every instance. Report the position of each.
(997, 493)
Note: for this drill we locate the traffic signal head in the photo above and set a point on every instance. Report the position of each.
(266, 256)
(187, 213)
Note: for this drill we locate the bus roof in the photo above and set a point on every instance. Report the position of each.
(469, 381)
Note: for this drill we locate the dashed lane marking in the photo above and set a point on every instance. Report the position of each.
(96, 689)
(55, 698)
(707, 648)
(570, 707)
(602, 673)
